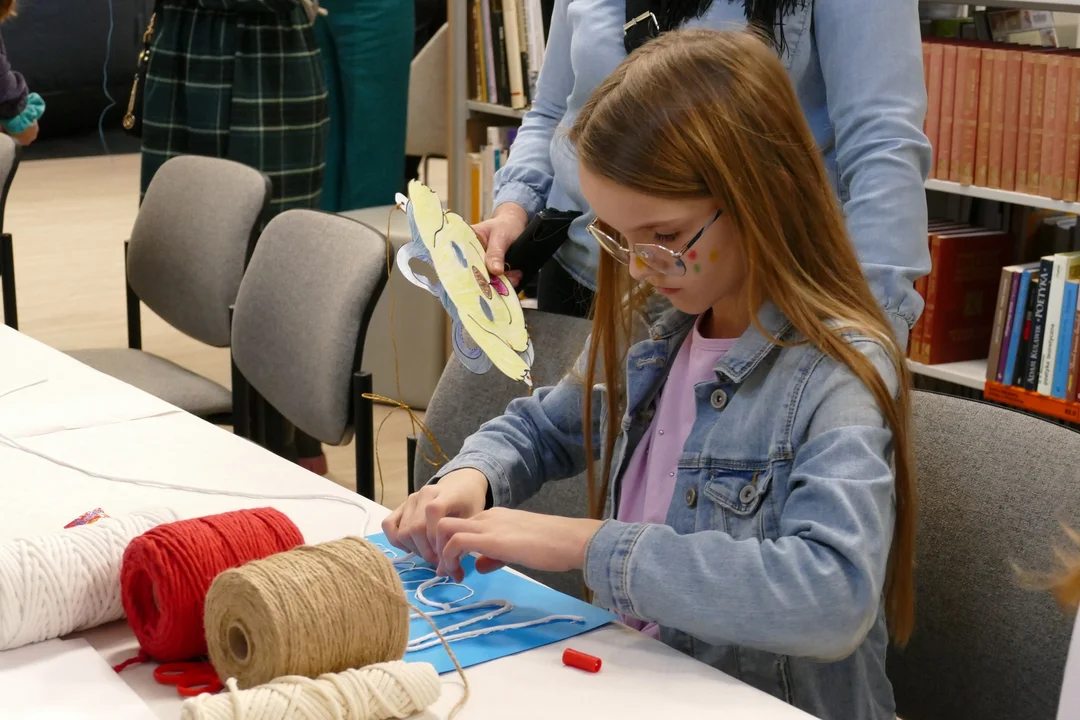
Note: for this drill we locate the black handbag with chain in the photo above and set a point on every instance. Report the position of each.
(133, 116)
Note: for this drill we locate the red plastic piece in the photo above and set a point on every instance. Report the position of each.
(581, 661)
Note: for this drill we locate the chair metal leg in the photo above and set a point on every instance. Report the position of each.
(241, 398)
(364, 431)
(134, 319)
(410, 449)
(7, 281)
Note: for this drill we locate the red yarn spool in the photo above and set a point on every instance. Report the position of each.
(166, 573)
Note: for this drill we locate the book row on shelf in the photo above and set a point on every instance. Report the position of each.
(482, 168)
(506, 40)
(1004, 116)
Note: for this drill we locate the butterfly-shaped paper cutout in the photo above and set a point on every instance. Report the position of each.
(446, 258)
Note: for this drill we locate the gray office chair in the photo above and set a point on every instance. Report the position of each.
(993, 486)
(299, 325)
(463, 401)
(192, 237)
(9, 163)
(427, 126)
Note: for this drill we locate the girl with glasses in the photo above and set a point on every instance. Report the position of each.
(741, 409)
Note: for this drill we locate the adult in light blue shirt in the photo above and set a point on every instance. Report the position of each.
(857, 70)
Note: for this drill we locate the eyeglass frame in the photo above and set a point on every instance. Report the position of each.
(632, 251)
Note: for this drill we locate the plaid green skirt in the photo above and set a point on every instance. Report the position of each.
(242, 80)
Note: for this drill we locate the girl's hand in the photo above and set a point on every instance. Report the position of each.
(411, 527)
(502, 536)
(504, 227)
(27, 136)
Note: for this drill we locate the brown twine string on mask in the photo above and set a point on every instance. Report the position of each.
(441, 456)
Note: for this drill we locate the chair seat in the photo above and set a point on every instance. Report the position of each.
(160, 377)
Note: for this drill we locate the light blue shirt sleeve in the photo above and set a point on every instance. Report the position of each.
(870, 53)
(527, 177)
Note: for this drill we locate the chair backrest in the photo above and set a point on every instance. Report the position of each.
(191, 239)
(463, 401)
(302, 313)
(426, 130)
(993, 487)
(9, 163)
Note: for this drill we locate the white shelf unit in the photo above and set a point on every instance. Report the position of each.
(483, 108)
(1007, 196)
(969, 374)
(1072, 6)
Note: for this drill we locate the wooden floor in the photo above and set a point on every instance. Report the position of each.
(69, 219)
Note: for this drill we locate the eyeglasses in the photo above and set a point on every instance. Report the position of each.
(662, 259)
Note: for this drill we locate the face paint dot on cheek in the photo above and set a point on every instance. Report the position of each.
(697, 268)
(639, 263)
(692, 254)
(714, 256)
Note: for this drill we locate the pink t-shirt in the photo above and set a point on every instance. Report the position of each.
(649, 481)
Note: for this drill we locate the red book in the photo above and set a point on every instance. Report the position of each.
(1055, 102)
(948, 97)
(1041, 66)
(1023, 137)
(1071, 169)
(965, 114)
(983, 119)
(1013, 62)
(933, 99)
(962, 294)
(998, 72)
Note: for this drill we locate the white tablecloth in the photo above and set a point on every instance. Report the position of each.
(88, 420)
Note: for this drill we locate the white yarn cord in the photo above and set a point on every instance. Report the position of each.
(55, 584)
(377, 692)
(15, 444)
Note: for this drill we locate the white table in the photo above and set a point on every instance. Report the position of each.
(120, 431)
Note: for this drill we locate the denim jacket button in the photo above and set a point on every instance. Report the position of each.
(747, 494)
(718, 399)
(691, 497)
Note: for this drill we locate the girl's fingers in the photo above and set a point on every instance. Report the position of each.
(450, 526)
(485, 565)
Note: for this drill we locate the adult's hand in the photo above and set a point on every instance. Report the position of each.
(497, 233)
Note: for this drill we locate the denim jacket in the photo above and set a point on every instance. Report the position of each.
(856, 66)
(771, 562)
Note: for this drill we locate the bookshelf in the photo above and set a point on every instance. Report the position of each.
(483, 108)
(969, 374)
(1005, 196)
(1068, 6)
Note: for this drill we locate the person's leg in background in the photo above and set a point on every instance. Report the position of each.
(372, 45)
(558, 292)
(333, 177)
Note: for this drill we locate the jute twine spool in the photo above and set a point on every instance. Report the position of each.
(378, 692)
(313, 610)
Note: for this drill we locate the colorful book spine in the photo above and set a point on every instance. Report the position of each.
(1010, 324)
(1064, 342)
(1023, 136)
(983, 122)
(966, 119)
(1072, 134)
(999, 78)
(1038, 327)
(948, 99)
(1022, 354)
(1013, 68)
(933, 99)
(1038, 118)
(998, 334)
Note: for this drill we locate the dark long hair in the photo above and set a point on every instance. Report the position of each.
(762, 14)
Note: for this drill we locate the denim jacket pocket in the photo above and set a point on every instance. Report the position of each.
(739, 496)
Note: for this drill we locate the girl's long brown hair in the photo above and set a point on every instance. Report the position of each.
(7, 9)
(705, 113)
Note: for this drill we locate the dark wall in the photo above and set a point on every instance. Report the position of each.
(59, 46)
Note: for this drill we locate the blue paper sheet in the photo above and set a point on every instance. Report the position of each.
(531, 601)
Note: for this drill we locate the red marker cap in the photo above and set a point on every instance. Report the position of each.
(581, 661)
